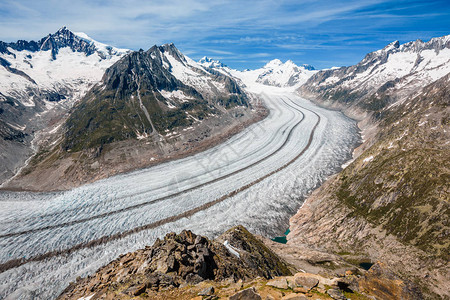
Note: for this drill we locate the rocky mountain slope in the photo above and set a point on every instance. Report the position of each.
(236, 265)
(150, 106)
(391, 203)
(382, 77)
(39, 82)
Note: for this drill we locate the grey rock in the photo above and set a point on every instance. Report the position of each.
(207, 292)
(247, 294)
(294, 297)
(336, 294)
(280, 283)
(306, 282)
(193, 278)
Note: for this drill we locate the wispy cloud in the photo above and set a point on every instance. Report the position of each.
(305, 31)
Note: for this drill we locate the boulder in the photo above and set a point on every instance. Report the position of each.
(135, 290)
(247, 294)
(336, 294)
(207, 292)
(305, 281)
(348, 284)
(300, 290)
(291, 282)
(280, 283)
(295, 297)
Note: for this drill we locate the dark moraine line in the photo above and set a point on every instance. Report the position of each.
(136, 206)
(18, 262)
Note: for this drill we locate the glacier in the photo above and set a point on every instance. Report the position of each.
(257, 178)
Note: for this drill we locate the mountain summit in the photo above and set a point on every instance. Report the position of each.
(77, 42)
(288, 74)
(149, 92)
(210, 63)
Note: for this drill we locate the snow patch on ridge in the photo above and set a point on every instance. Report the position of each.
(175, 95)
(367, 159)
(232, 250)
(107, 50)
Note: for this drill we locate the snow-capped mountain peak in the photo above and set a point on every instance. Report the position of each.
(288, 74)
(40, 80)
(389, 75)
(210, 63)
(273, 64)
(274, 73)
(54, 63)
(100, 47)
(393, 45)
(308, 67)
(64, 38)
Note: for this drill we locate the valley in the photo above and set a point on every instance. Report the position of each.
(351, 163)
(257, 178)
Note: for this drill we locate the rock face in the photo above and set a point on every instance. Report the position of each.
(390, 203)
(384, 284)
(179, 259)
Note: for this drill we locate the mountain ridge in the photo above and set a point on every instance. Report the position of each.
(382, 77)
(389, 202)
(39, 82)
(77, 42)
(158, 103)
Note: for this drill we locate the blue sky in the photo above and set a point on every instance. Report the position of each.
(242, 34)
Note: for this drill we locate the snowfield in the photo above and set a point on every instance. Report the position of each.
(257, 178)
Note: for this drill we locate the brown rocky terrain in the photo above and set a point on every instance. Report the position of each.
(236, 265)
(391, 203)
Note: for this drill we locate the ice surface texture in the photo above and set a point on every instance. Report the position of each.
(36, 224)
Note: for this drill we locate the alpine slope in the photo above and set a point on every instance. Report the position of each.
(257, 178)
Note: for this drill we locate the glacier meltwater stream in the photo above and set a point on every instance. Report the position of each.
(257, 178)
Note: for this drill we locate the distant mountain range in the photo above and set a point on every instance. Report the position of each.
(383, 76)
(274, 73)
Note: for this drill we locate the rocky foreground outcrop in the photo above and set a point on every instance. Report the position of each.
(180, 260)
(236, 265)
